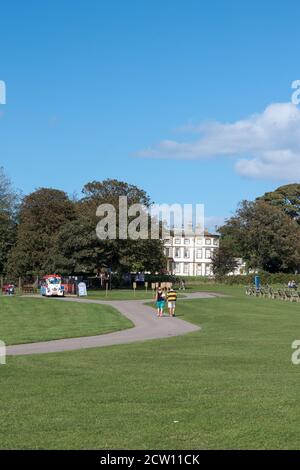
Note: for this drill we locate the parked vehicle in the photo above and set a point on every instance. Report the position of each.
(52, 286)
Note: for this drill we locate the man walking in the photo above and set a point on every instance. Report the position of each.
(171, 298)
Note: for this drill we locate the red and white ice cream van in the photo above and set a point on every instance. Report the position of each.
(52, 286)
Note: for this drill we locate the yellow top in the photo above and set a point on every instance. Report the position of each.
(171, 296)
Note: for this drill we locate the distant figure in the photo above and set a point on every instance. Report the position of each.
(11, 289)
(171, 298)
(160, 302)
(182, 284)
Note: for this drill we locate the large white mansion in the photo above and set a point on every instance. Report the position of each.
(190, 255)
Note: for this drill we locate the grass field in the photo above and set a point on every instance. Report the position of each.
(230, 385)
(121, 294)
(24, 320)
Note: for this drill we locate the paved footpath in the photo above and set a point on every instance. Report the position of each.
(146, 326)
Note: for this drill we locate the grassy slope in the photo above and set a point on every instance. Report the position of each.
(25, 320)
(231, 385)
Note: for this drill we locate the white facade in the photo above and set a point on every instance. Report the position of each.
(190, 255)
(241, 269)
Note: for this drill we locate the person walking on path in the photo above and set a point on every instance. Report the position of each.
(160, 302)
(171, 298)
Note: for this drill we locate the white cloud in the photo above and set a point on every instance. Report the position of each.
(266, 145)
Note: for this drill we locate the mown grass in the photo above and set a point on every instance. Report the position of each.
(24, 320)
(230, 385)
(121, 294)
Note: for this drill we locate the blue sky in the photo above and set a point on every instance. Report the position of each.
(98, 89)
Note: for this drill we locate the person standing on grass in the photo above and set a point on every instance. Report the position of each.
(171, 298)
(160, 302)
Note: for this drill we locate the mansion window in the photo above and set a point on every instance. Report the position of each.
(216, 241)
(186, 268)
(199, 253)
(186, 241)
(199, 269)
(177, 241)
(208, 269)
(177, 252)
(208, 253)
(186, 253)
(177, 268)
(207, 241)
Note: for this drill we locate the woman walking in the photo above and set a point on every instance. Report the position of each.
(160, 302)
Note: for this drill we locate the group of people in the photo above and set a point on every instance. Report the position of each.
(292, 284)
(162, 297)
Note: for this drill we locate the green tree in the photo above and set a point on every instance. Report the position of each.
(8, 226)
(224, 260)
(286, 198)
(77, 248)
(42, 214)
(264, 236)
(110, 190)
(141, 255)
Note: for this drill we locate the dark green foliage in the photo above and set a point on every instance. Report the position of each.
(286, 198)
(8, 206)
(56, 234)
(42, 214)
(224, 261)
(264, 236)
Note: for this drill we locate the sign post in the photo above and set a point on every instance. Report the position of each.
(134, 287)
(82, 289)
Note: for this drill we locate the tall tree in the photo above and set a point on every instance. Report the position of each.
(8, 205)
(264, 236)
(224, 260)
(110, 190)
(42, 214)
(77, 248)
(286, 198)
(92, 253)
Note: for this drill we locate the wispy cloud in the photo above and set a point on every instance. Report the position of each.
(265, 145)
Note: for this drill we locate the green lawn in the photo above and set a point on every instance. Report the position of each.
(120, 294)
(230, 385)
(125, 294)
(24, 320)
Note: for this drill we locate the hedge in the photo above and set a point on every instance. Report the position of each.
(245, 280)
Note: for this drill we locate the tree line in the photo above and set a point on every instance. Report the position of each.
(49, 231)
(46, 231)
(265, 233)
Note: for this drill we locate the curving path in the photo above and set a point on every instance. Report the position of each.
(146, 326)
